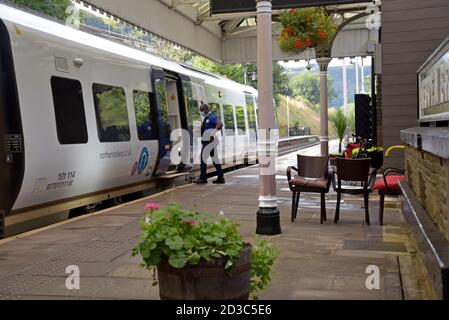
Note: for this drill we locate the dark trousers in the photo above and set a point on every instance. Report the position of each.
(215, 161)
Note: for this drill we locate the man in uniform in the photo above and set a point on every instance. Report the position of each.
(211, 125)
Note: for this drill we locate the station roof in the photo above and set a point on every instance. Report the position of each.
(227, 38)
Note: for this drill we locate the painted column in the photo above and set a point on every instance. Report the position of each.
(324, 122)
(363, 76)
(268, 220)
(357, 86)
(345, 85)
(288, 116)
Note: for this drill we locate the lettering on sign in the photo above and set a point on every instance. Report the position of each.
(433, 80)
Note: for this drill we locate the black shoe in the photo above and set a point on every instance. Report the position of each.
(219, 181)
(200, 181)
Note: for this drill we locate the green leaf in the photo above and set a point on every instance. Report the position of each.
(174, 243)
(178, 260)
(154, 258)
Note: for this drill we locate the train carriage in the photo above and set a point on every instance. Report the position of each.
(81, 116)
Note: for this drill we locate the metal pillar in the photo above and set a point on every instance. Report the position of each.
(288, 116)
(357, 86)
(324, 116)
(345, 85)
(268, 219)
(363, 77)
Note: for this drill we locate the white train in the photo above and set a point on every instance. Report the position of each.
(81, 115)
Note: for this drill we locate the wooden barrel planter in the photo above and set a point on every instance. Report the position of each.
(207, 280)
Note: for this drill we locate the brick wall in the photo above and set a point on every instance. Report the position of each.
(428, 176)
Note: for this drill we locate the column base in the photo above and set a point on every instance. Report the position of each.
(2, 224)
(268, 222)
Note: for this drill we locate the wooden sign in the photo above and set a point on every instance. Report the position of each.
(433, 82)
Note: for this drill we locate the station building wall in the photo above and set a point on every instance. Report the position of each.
(411, 31)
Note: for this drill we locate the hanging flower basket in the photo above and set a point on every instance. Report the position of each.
(305, 28)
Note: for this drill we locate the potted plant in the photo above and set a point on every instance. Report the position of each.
(376, 154)
(200, 258)
(305, 28)
(339, 126)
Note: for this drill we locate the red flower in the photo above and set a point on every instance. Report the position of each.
(299, 44)
(292, 11)
(308, 42)
(323, 35)
(289, 31)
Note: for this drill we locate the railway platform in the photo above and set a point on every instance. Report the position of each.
(316, 262)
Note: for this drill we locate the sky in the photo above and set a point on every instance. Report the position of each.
(334, 62)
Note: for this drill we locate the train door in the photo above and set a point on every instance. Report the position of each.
(162, 121)
(12, 160)
(193, 95)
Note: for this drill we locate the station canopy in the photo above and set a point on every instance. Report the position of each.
(230, 37)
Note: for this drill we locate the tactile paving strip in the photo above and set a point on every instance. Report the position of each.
(18, 284)
(126, 233)
(97, 251)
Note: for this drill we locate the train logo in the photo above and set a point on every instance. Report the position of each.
(140, 166)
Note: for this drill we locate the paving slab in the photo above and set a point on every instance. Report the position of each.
(316, 262)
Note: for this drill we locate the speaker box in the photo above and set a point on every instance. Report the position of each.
(364, 116)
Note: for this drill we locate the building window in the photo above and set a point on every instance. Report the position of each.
(69, 111)
(229, 122)
(112, 113)
(241, 123)
(144, 116)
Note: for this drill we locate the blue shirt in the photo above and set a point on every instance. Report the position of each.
(210, 122)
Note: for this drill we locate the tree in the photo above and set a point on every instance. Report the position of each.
(168, 50)
(307, 86)
(367, 84)
(235, 72)
(54, 8)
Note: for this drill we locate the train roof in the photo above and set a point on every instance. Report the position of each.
(57, 29)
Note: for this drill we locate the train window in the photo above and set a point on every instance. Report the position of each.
(241, 123)
(215, 108)
(251, 112)
(162, 102)
(192, 110)
(112, 113)
(229, 122)
(144, 120)
(69, 111)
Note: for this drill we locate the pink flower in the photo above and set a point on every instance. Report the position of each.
(191, 222)
(151, 206)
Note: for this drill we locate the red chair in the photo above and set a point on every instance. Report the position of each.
(350, 148)
(388, 185)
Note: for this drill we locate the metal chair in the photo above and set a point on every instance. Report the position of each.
(388, 185)
(353, 170)
(313, 176)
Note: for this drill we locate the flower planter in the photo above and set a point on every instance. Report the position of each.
(207, 280)
(305, 28)
(377, 159)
